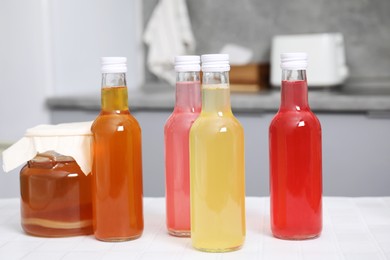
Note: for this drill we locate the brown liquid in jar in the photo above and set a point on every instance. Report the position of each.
(55, 197)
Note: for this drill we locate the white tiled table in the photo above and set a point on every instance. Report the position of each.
(354, 228)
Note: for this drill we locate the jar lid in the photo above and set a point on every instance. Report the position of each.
(293, 61)
(71, 139)
(215, 62)
(187, 63)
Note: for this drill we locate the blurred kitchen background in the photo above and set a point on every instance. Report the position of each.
(50, 73)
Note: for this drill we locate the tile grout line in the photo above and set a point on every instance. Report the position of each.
(333, 232)
(383, 254)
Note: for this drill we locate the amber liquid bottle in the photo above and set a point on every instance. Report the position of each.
(117, 160)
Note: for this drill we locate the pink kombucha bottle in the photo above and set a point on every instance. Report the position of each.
(295, 157)
(176, 132)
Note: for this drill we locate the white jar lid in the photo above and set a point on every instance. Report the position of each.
(215, 62)
(114, 64)
(293, 61)
(71, 139)
(187, 63)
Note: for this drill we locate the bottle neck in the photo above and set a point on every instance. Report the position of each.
(188, 92)
(294, 90)
(216, 92)
(114, 92)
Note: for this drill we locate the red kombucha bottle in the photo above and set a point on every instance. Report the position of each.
(177, 128)
(295, 157)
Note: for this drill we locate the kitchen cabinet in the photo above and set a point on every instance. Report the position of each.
(356, 150)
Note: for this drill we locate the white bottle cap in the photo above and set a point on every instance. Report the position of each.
(114, 64)
(215, 62)
(293, 61)
(187, 63)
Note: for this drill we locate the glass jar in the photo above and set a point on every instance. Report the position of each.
(55, 197)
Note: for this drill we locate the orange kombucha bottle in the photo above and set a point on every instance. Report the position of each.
(117, 160)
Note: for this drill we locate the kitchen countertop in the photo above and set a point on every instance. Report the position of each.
(354, 228)
(320, 100)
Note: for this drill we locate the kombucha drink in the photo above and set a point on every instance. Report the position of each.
(217, 170)
(117, 163)
(55, 197)
(295, 162)
(176, 132)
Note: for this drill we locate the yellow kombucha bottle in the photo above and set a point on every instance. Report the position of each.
(217, 167)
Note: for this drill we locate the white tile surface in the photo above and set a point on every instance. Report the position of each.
(354, 228)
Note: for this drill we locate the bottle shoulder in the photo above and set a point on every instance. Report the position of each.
(294, 119)
(217, 124)
(114, 122)
(183, 116)
(217, 116)
(180, 120)
(295, 115)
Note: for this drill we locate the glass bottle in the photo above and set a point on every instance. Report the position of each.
(217, 164)
(55, 197)
(176, 132)
(295, 157)
(117, 160)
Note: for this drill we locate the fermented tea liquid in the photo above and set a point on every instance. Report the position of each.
(295, 157)
(217, 165)
(176, 133)
(117, 160)
(55, 197)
